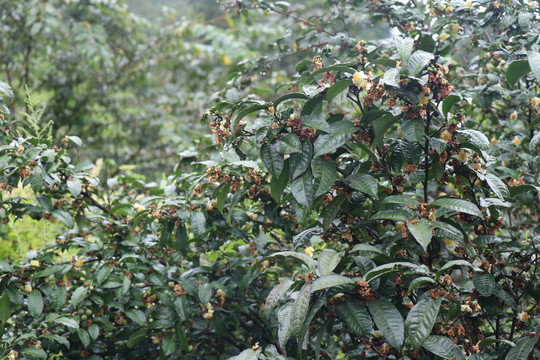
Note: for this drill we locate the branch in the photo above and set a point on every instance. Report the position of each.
(305, 21)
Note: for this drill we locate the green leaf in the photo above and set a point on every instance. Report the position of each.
(181, 337)
(6, 90)
(463, 206)
(222, 196)
(388, 320)
(300, 309)
(36, 181)
(84, 337)
(453, 263)
(289, 143)
(337, 89)
(6, 268)
(135, 338)
(484, 282)
(313, 106)
(74, 187)
(327, 261)
(59, 339)
(300, 162)
(534, 122)
(35, 352)
(516, 70)
(340, 133)
(289, 96)
(93, 331)
(404, 47)
(364, 183)
(388, 268)
(168, 345)
(103, 274)
(332, 210)
(498, 186)
(302, 190)
(198, 223)
(137, 316)
(419, 281)
(421, 319)
(63, 217)
(181, 307)
(449, 102)
(248, 354)
(396, 215)
(242, 114)
(205, 293)
(534, 141)
(380, 126)
(443, 347)
(534, 62)
(505, 297)
(391, 77)
(35, 303)
(329, 281)
(418, 61)
(14, 295)
(301, 256)
(276, 294)
(284, 318)
(67, 322)
(412, 129)
(328, 175)
(316, 122)
(5, 308)
(520, 189)
(272, 159)
(476, 138)
(421, 231)
(524, 20)
(78, 296)
(366, 248)
(447, 231)
(181, 239)
(523, 347)
(278, 184)
(356, 317)
(490, 341)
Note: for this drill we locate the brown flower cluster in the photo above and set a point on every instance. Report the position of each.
(218, 176)
(375, 93)
(440, 87)
(327, 80)
(366, 293)
(303, 133)
(221, 128)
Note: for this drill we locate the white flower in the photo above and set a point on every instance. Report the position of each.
(361, 80)
(523, 316)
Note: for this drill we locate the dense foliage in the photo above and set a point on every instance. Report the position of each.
(378, 200)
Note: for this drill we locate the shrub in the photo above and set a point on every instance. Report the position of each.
(385, 208)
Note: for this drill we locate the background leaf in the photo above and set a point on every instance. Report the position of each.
(356, 317)
(388, 321)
